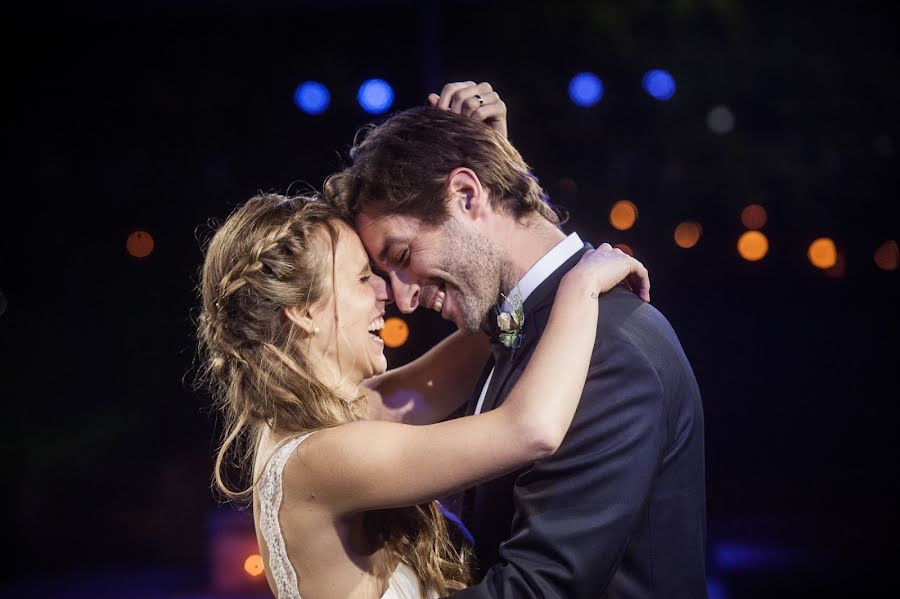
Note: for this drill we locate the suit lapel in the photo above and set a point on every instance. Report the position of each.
(542, 297)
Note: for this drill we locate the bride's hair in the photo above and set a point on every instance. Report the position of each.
(271, 253)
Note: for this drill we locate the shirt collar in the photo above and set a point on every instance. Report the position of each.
(545, 267)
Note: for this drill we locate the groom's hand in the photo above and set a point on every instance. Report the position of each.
(478, 101)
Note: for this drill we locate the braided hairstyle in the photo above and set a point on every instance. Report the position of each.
(272, 253)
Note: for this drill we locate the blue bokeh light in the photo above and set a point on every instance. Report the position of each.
(585, 89)
(659, 84)
(375, 96)
(716, 590)
(312, 97)
(743, 556)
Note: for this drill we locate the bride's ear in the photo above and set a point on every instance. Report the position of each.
(467, 195)
(301, 317)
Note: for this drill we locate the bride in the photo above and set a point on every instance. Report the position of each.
(343, 488)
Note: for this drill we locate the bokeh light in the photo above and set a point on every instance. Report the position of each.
(395, 332)
(687, 234)
(375, 96)
(585, 89)
(253, 565)
(139, 244)
(822, 253)
(312, 97)
(623, 215)
(754, 216)
(840, 267)
(720, 120)
(753, 246)
(625, 248)
(886, 256)
(659, 84)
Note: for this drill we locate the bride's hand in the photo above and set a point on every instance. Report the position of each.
(478, 101)
(607, 266)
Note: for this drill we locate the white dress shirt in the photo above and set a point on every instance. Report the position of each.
(536, 275)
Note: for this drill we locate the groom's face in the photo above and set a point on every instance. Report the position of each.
(421, 262)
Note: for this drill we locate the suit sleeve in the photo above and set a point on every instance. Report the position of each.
(575, 511)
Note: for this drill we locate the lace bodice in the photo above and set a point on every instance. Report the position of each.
(403, 584)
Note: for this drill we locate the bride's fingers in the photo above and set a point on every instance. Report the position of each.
(494, 115)
(466, 99)
(449, 90)
(433, 99)
(471, 104)
(640, 282)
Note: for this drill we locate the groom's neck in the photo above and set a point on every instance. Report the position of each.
(525, 242)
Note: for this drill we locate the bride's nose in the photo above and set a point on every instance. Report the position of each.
(383, 292)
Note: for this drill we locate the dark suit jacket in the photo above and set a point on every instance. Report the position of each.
(619, 510)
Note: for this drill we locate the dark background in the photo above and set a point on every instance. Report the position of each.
(161, 116)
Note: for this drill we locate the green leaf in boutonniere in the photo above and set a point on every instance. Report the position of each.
(510, 323)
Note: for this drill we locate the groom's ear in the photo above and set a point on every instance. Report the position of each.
(467, 195)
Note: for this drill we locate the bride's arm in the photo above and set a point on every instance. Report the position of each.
(431, 387)
(371, 465)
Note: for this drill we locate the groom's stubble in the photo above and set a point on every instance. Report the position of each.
(480, 269)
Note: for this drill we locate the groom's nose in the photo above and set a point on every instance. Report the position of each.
(406, 295)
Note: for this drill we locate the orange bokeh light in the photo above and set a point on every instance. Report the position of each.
(887, 255)
(139, 244)
(395, 332)
(840, 267)
(822, 253)
(623, 215)
(687, 234)
(754, 216)
(625, 248)
(753, 246)
(253, 565)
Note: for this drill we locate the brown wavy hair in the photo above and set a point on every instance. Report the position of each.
(401, 167)
(268, 255)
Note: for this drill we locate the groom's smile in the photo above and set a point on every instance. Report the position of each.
(446, 268)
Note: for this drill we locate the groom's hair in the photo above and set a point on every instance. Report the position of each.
(401, 167)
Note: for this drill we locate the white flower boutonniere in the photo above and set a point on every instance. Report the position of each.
(510, 323)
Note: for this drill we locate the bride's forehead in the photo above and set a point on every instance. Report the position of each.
(349, 246)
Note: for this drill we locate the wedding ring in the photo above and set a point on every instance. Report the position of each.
(480, 100)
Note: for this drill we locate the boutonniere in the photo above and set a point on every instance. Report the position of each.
(510, 323)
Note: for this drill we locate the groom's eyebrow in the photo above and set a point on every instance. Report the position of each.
(389, 242)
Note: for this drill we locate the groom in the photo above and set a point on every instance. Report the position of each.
(448, 209)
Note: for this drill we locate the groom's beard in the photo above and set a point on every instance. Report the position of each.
(476, 265)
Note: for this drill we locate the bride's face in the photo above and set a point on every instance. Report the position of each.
(350, 319)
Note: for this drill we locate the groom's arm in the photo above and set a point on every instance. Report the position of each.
(576, 511)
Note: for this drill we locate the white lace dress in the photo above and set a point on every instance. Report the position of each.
(404, 584)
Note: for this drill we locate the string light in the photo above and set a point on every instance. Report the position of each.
(395, 332)
(139, 244)
(687, 234)
(753, 246)
(822, 253)
(623, 215)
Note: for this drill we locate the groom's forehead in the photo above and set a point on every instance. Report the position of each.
(380, 232)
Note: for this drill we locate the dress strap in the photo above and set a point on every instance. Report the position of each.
(270, 494)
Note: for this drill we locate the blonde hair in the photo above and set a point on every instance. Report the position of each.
(268, 255)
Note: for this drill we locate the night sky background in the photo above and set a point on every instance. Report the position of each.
(159, 117)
